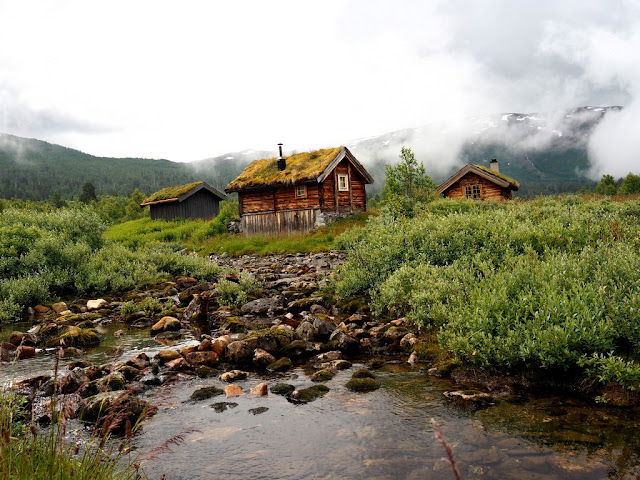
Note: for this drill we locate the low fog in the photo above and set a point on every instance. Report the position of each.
(193, 82)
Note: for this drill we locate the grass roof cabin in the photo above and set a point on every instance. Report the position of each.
(479, 183)
(300, 192)
(194, 200)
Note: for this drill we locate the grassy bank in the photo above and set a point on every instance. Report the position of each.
(544, 284)
(206, 237)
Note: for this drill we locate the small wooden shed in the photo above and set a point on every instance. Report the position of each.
(297, 193)
(479, 183)
(195, 200)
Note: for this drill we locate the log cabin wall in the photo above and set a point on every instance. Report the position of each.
(488, 189)
(201, 204)
(273, 223)
(353, 200)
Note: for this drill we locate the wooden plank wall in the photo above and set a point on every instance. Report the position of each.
(488, 189)
(201, 204)
(273, 223)
(282, 198)
(356, 195)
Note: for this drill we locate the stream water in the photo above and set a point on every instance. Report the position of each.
(385, 434)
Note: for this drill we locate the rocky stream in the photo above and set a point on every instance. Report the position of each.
(289, 385)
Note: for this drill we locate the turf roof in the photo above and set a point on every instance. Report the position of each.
(171, 193)
(499, 175)
(300, 167)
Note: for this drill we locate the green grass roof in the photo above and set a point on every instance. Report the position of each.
(499, 175)
(171, 193)
(300, 167)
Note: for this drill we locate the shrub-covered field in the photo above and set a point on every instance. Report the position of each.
(61, 252)
(546, 283)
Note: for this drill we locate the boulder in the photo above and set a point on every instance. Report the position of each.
(205, 393)
(24, 351)
(242, 351)
(260, 390)
(408, 342)
(115, 411)
(97, 304)
(59, 307)
(233, 375)
(281, 365)
(282, 389)
(72, 381)
(308, 394)
(22, 338)
(343, 341)
(262, 358)
(207, 358)
(323, 329)
(365, 384)
(166, 324)
(167, 355)
(41, 309)
(322, 376)
(219, 345)
(263, 306)
(233, 391)
(306, 331)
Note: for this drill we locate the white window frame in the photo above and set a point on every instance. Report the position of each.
(301, 191)
(343, 177)
(473, 191)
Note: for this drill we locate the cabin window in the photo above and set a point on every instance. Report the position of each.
(301, 191)
(472, 191)
(343, 183)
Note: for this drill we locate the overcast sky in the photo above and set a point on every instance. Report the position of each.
(190, 80)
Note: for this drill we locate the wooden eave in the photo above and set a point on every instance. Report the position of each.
(345, 153)
(470, 168)
(184, 196)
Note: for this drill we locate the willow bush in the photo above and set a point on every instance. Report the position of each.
(545, 283)
(61, 253)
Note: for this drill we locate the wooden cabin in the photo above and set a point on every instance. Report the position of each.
(301, 191)
(195, 200)
(476, 182)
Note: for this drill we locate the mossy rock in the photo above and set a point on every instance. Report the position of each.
(282, 389)
(205, 393)
(322, 376)
(114, 381)
(233, 325)
(222, 406)
(307, 395)
(366, 384)
(445, 367)
(376, 364)
(281, 365)
(296, 348)
(76, 337)
(203, 371)
(363, 373)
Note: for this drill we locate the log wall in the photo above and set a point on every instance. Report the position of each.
(273, 223)
(488, 189)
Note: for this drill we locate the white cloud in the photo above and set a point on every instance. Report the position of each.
(191, 80)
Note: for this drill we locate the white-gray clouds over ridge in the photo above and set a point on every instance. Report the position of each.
(192, 79)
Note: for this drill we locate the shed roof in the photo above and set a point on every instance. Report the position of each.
(484, 172)
(180, 193)
(300, 168)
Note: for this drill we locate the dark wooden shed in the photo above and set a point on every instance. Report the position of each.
(476, 182)
(195, 200)
(300, 192)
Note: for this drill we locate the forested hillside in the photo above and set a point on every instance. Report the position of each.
(33, 169)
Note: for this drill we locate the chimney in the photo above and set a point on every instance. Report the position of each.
(494, 165)
(282, 163)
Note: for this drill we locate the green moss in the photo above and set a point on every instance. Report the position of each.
(499, 175)
(171, 192)
(300, 167)
(281, 365)
(322, 376)
(307, 395)
(362, 384)
(205, 393)
(363, 373)
(282, 389)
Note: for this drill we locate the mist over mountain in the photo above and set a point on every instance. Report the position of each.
(545, 152)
